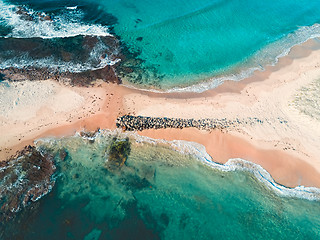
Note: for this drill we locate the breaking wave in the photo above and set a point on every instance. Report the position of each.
(236, 164)
(268, 56)
(199, 151)
(24, 22)
(60, 42)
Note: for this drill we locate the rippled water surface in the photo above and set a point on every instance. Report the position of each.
(171, 43)
(159, 193)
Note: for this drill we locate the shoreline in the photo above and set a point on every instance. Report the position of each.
(298, 50)
(290, 158)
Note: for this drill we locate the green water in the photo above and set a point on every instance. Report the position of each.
(159, 194)
(165, 44)
(183, 42)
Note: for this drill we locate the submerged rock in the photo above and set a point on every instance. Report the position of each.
(93, 235)
(24, 178)
(118, 152)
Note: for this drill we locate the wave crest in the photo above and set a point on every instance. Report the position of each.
(68, 24)
(235, 164)
(268, 56)
(199, 151)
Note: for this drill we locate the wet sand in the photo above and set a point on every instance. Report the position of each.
(289, 152)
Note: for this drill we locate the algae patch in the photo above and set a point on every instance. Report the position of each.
(117, 153)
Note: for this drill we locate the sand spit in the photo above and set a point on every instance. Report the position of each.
(286, 144)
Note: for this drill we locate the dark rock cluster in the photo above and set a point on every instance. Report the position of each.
(26, 15)
(107, 74)
(139, 123)
(69, 50)
(24, 178)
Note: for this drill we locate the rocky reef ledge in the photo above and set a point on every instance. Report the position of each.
(139, 123)
(61, 59)
(24, 178)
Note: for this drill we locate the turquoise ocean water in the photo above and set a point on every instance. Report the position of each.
(159, 193)
(174, 44)
(183, 42)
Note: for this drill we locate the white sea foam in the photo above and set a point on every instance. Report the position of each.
(236, 164)
(94, 62)
(67, 25)
(268, 56)
(197, 150)
(72, 8)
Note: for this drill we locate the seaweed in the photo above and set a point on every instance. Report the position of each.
(118, 152)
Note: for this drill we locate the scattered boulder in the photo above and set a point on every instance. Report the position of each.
(24, 14)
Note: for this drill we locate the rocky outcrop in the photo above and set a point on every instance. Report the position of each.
(24, 178)
(71, 51)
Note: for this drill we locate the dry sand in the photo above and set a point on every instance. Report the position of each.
(286, 144)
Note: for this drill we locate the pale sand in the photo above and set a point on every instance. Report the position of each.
(46, 108)
(289, 152)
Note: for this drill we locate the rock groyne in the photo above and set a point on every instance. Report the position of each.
(139, 123)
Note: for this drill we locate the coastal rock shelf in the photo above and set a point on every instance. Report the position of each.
(24, 178)
(96, 58)
(139, 123)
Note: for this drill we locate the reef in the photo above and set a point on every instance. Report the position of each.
(117, 152)
(69, 52)
(24, 178)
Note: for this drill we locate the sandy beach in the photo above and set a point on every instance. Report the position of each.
(286, 144)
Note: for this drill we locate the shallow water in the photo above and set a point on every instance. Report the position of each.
(182, 42)
(159, 193)
(171, 43)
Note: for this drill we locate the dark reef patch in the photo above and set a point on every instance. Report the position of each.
(130, 67)
(78, 60)
(69, 51)
(24, 178)
(75, 60)
(118, 152)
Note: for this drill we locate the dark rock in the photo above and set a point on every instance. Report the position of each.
(47, 18)
(24, 178)
(63, 154)
(38, 48)
(139, 123)
(118, 152)
(24, 14)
